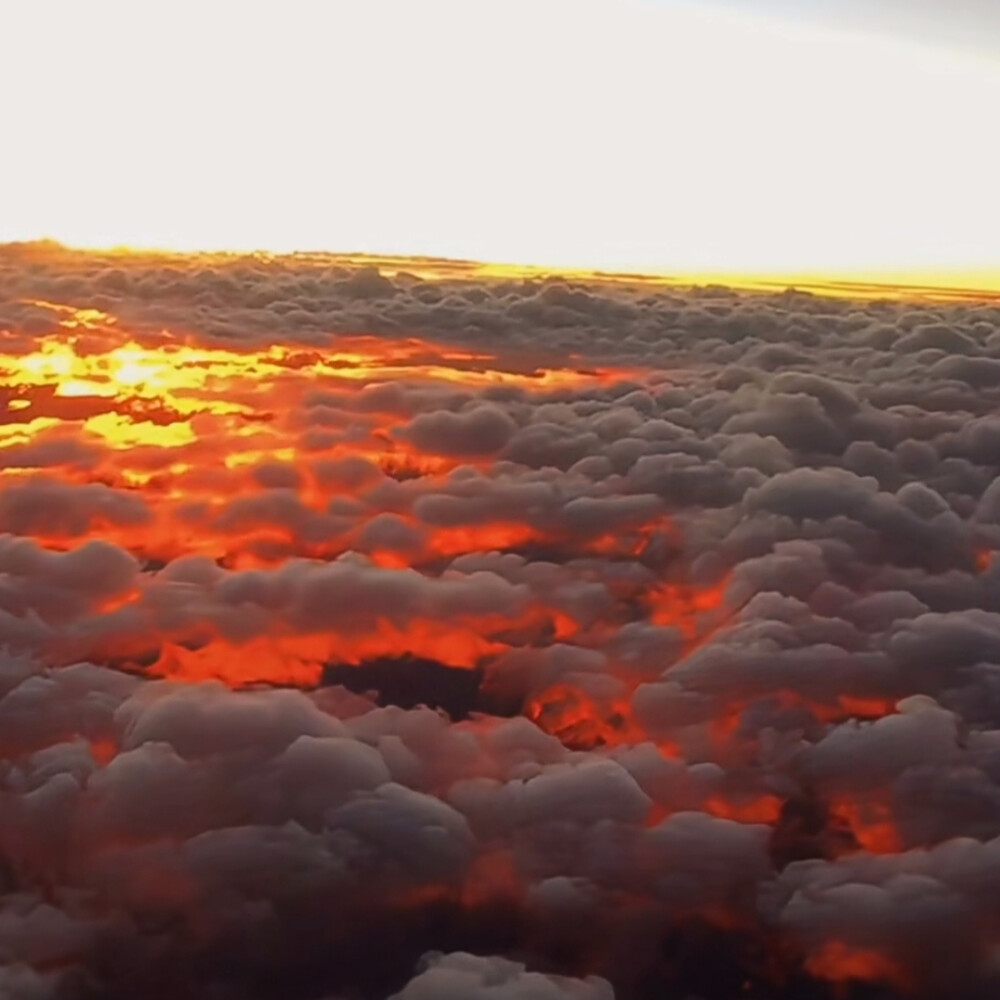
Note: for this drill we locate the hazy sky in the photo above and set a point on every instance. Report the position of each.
(963, 25)
(612, 133)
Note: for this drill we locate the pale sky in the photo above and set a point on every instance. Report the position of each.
(653, 134)
(964, 25)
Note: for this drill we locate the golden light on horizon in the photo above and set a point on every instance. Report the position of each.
(916, 284)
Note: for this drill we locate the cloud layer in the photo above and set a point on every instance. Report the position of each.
(699, 584)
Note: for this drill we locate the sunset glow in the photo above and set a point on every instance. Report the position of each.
(500, 501)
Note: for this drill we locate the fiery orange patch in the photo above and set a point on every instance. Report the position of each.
(839, 962)
(580, 720)
(755, 809)
(871, 823)
(691, 609)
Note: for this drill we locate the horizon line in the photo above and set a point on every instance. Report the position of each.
(919, 284)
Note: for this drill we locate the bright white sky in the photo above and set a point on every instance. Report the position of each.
(621, 134)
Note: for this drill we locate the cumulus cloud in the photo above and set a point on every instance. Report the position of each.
(468, 977)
